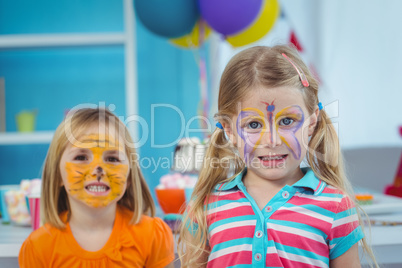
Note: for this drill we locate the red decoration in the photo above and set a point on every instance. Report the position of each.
(294, 41)
(396, 188)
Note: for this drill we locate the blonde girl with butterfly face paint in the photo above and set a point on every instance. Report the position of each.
(95, 205)
(264, 210)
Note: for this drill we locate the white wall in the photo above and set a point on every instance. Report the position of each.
(356, 47)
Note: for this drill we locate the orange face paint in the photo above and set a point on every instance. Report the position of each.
(96, 173)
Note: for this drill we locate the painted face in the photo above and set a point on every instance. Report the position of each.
(252, 124)
(95, 172)
(270, 126)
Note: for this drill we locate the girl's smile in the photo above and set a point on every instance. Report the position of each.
(273, 160)
(97, 188)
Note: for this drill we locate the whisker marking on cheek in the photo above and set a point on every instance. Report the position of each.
(117, 177)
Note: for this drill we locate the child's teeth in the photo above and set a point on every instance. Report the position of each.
(97, 188)
(267, 158)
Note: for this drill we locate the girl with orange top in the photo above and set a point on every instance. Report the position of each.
(96, 206)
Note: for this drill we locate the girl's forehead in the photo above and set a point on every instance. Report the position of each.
(97, 137)
(99, 140)
(276, 98)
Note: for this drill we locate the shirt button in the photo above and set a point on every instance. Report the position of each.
(268, 209)
(257, 257)
(258, 234)
(285, 194)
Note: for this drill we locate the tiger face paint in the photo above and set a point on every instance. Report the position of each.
(95, 172)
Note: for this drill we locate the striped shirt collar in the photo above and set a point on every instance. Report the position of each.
(309, 181)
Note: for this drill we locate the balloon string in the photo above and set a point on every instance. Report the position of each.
(203, 80)
(214, 77)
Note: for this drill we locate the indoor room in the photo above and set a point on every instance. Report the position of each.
(219, 114)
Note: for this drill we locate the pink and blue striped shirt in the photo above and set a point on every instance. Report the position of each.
(303, 225)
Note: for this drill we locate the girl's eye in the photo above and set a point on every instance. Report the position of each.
(286, 122)
(254, 125)
(80, 158)
(112, 159)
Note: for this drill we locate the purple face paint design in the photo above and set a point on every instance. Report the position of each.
(288, 121)
(250, 135)
(270, 110)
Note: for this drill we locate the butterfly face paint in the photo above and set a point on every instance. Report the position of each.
(251, 127)
(270, 110)
(288, 121)
(96, 174)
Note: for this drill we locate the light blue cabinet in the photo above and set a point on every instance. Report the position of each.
(55, 55)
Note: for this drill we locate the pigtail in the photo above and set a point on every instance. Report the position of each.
(220, 160)
(326, 160)
(323, 154)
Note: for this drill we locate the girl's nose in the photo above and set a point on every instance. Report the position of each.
(271, 138)
(99, 172)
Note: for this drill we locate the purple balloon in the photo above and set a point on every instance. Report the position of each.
(229, 16)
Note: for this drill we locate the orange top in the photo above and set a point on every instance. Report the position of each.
(146, 244)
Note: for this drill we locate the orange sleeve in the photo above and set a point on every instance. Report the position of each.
(29, 256)
(162, 248)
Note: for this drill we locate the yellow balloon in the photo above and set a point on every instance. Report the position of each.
(192, 39)
(260, 28)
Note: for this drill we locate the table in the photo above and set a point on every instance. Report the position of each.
(11, 239)
(386, 241)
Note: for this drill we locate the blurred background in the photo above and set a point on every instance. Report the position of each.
(157, 64)
(127, 61)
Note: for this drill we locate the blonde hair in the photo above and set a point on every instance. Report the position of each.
(54, 200)
(251, 68)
